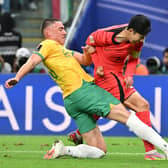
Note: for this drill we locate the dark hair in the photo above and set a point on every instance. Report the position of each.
(7, 22)
(47, 22)
(141, 24)
(165, 50)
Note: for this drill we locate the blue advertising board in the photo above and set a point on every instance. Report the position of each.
(104, 13)
(35, 106)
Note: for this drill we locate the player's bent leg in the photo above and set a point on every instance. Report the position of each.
(95, 138)
(119, 113)
(95, 148)
(141, 106)
(136, 102)
(147, 133)
(76, 136)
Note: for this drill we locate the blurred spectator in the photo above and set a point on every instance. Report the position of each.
(22, 54)
(1, 3)
(5, 6)
(15, 5)
(6, 68)
(10, 40)
(141, 69)
(32, 5)
(27, 5)
(154, 65)
(164, 68)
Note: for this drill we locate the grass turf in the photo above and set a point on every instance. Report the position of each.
(28, 152)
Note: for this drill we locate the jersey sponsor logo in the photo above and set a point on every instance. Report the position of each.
(67, 53)
(91, 39)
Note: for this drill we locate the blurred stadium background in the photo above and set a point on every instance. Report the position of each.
(36, 108)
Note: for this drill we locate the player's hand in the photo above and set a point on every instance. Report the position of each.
(129, 81)
(11, 82)
(100, 71)
(88, 49)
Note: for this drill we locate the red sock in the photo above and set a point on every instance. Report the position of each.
(95, 117)
(77, 131)
(145, 117)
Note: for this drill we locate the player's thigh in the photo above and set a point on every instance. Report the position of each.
(119, 113)
(95, 138)
(90, 99)
(137, 102)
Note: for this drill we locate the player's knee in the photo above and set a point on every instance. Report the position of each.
(102, 146)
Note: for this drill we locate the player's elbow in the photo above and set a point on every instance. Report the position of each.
(87, 62)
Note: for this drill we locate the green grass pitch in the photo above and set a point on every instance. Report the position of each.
(28, 152)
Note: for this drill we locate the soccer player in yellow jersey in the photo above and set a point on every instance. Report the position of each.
(82, 98)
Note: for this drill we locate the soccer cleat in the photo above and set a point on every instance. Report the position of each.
(154, 156)
(75, 138)
(56, 150)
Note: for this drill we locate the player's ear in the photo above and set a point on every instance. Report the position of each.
(46, 32)
(131, 30)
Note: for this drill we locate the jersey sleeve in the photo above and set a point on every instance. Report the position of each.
(68, 52)
(100, 38)
(131, 66)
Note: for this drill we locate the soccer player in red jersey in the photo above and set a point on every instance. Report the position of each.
(113, 46)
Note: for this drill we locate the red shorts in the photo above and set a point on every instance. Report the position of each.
(114, 84)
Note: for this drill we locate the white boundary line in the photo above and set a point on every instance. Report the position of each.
(139, 5)
(21, 151)
(124, 153)
(108, 153)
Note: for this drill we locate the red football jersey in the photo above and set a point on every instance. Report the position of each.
(109, 53)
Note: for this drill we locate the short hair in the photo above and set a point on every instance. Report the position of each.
(141, 24)
(47, 22)
(165, 50)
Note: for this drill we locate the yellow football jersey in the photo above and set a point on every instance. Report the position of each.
(62, 66)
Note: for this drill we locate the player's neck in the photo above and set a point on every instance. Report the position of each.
(122, 36)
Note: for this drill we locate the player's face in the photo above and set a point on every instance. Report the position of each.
(135, 37)
(58, 32)
(165, 58)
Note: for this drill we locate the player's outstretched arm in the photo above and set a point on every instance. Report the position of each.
(26, 68)
(85, 58)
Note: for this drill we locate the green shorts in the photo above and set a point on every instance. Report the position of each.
(89, 99)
